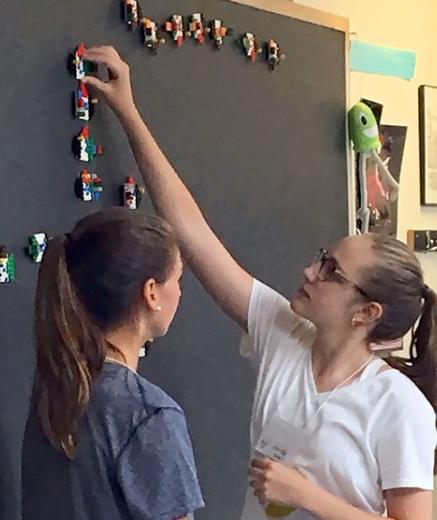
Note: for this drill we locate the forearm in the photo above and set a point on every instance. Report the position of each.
(326, 506)
(223, 278)
(170, 197)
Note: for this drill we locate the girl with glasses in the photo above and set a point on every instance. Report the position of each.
(337, 433)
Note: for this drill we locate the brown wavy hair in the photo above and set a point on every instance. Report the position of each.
(90, 282)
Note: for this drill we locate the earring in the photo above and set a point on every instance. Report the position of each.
(159, 308)
(354, 322)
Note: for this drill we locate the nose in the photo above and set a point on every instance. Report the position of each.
(311, 272)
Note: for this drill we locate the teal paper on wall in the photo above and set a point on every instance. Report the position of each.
(375, 59)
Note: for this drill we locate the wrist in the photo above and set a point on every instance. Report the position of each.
(126, 111)
(304, 498)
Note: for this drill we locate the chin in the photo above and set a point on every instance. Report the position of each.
(299, 305)
(162, 331)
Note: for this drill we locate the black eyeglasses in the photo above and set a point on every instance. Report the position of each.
(329, 271)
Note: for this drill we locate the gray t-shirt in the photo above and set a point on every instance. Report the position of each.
(134, 458)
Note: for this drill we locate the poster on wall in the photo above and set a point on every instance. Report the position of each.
(428, 144)
(383, 210)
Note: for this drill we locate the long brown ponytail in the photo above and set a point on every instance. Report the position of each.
(66, 364)
(421, 365)
(89, 283)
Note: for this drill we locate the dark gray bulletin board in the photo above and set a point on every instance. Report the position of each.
(264, 154)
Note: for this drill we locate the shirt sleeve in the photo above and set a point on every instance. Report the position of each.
(405, 450)
(270, 319)
(156, 469)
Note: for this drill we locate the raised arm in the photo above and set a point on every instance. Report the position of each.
(225, 280)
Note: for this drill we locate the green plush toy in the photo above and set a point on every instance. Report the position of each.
(364, 133)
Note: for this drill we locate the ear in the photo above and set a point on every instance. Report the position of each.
(150, 294)
(368, 314)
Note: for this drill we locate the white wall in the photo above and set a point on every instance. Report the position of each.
(407, 25)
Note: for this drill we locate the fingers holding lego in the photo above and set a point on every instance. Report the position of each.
(118, 70)
(116, 89)
(98, 85)
(108, 56)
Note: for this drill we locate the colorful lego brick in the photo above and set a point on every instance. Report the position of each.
(218, 32)
(196, 28)
(78, 66)
(83, 103)
(7, 265)
(37, 245)
(175, 26)
(83, 146)
(274, 54)
(131, 13)
(131, 193)
(88, 186)
(151, 35)
(250, 46)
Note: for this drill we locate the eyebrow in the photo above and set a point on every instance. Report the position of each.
(337, 264)
(333, 259)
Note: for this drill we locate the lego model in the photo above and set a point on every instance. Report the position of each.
(218, 32)
(363, 130)
(79, 67)
(89, 186)
(7, 265)
(196, 28)
(37, 245)
(151, 35)
(131, 13)
(175, 26)
(250, 46)
(83, 146)
(83, 103)
(131, 193)
(274, 54)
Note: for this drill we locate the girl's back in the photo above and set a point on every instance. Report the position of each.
(133, 457)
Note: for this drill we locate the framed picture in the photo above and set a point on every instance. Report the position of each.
(428, 144)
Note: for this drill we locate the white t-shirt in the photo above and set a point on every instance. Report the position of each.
(374, 434)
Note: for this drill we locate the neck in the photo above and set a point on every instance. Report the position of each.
(128, 345)
(335, 358)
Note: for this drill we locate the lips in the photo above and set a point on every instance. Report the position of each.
(302, 292)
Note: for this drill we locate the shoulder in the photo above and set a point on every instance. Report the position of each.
(126, 394)
(269, 306)
(406, 434)
(403, 404)
(169, 424)
(405, 397)
(154, 398)
(277, 336)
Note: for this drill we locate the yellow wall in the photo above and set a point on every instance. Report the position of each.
(407, 25)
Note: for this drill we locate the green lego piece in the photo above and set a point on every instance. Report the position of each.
(88, 67)
(11, 267)
(90, 147)
(33, 248)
